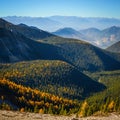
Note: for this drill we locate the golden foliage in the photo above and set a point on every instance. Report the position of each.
(111, 106)
(41, 111)
(83, 109)
(22, 110)
(35, 100)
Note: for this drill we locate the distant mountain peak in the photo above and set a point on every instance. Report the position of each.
(112, 29)
(23, 25)
(93, 29)
(67, 30)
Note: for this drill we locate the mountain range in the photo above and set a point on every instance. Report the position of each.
(40, 71)
(17, 45)
(102, 32)
(54, 23)
(101, 38)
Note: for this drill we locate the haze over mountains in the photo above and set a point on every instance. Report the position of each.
(101, 38)
(54, 23)
(69, 33)
(101, 32)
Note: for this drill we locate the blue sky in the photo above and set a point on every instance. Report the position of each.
(41, 8)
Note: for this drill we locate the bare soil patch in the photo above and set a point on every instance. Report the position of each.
(15, 115)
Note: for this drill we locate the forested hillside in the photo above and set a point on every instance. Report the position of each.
(27, 99)
(84, 55)
(54, 77)
(108, 100)
(14, 96)
(28, 31)
(16, 47)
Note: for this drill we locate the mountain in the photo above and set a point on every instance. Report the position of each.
(115, 47)
(28, 31)
(83, 55)
(86, 26)
(16, 47)
(32, 32)
(102, 38)
(91, 33)
(54, 23)
(69, 33)
(110, 35)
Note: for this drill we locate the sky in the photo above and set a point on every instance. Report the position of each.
(44, 8)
